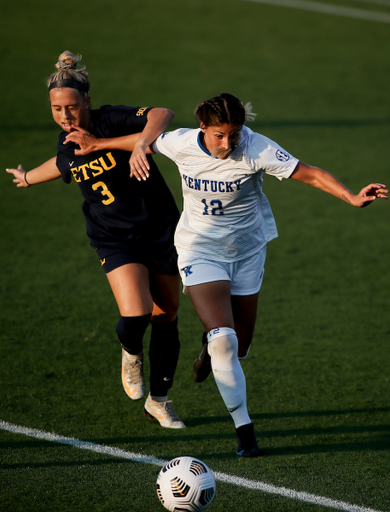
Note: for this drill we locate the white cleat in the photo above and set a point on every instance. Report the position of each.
(133, 379)
(163, 412)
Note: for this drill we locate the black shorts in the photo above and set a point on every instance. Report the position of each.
(112, 259)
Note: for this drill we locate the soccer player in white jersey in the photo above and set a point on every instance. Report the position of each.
(223, 231)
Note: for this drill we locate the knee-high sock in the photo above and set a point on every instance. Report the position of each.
(130, 330)
(164, 351)
(228, 374)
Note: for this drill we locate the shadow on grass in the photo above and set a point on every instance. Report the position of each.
(347, 447)
(377, 438)
(292, 414)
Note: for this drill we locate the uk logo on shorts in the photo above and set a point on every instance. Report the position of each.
(282, 156)
(187, 270)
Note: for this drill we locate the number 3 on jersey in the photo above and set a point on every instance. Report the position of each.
(215, 206)
(105, 192)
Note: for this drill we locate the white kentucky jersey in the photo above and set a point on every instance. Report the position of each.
(226, 215)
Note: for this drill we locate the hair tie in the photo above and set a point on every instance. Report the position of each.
(63, 65)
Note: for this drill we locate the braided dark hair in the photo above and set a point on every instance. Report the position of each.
(222, 109)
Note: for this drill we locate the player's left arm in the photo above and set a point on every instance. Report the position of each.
(325, 181)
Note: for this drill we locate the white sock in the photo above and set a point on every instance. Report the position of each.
(228, 374)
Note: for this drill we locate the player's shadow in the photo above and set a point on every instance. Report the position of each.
(307, 440)
(292, 414)
(304, 440)
(337, 438)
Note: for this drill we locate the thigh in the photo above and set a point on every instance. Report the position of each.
(212, 304)
(131, 289)
(165, 290)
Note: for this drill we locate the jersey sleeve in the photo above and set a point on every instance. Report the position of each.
(65, 154)
(121, 120)
(169, 143)
(263, 154)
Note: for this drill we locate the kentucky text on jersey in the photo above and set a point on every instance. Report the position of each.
(212, 185)
(94, 168)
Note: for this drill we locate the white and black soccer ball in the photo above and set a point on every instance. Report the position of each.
(185, 484)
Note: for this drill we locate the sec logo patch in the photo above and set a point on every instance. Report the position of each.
(282, 156)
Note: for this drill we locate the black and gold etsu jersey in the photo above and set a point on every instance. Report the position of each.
(119, 210)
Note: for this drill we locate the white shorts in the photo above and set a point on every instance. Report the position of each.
(245, 276)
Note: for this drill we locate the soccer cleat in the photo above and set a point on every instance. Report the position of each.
(202, 364)
(247, 444)
(163, 412)
(133, 379)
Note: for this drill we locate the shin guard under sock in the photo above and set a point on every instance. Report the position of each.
(131, 330)
(228, 374)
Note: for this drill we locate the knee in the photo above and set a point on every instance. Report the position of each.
(132, 328)
(167, 314)
(222, 343)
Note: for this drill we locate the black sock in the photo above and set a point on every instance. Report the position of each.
(164, 351)
(131, 330)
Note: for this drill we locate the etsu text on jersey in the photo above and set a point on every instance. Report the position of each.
(94, 168)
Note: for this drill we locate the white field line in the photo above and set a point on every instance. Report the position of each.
(349, 12)
(221, 477)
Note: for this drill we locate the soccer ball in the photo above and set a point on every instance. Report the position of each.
(185, 484)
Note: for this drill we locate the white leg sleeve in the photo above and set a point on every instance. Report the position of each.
(228, 374)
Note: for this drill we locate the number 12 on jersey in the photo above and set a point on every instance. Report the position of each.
(215, 208)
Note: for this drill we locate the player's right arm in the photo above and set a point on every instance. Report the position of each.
(45, 172)
(89, 143)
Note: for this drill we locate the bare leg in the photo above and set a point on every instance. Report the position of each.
(212, 304)
(166, 297)
(244, 313)
(139, 294)
(130, 286)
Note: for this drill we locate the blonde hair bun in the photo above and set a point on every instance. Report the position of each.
(68, 61)
(67, 70)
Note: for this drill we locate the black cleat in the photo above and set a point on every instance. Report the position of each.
(247, 444)
(202, 364)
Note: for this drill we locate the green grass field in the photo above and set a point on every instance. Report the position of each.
(318, 371)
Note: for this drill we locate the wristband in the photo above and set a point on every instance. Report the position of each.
(25, 179)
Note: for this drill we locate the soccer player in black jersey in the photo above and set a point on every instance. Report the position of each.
(130, 223)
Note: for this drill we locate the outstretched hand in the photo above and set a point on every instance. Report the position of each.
(369, 194)
(20, 176)
(87, 142)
